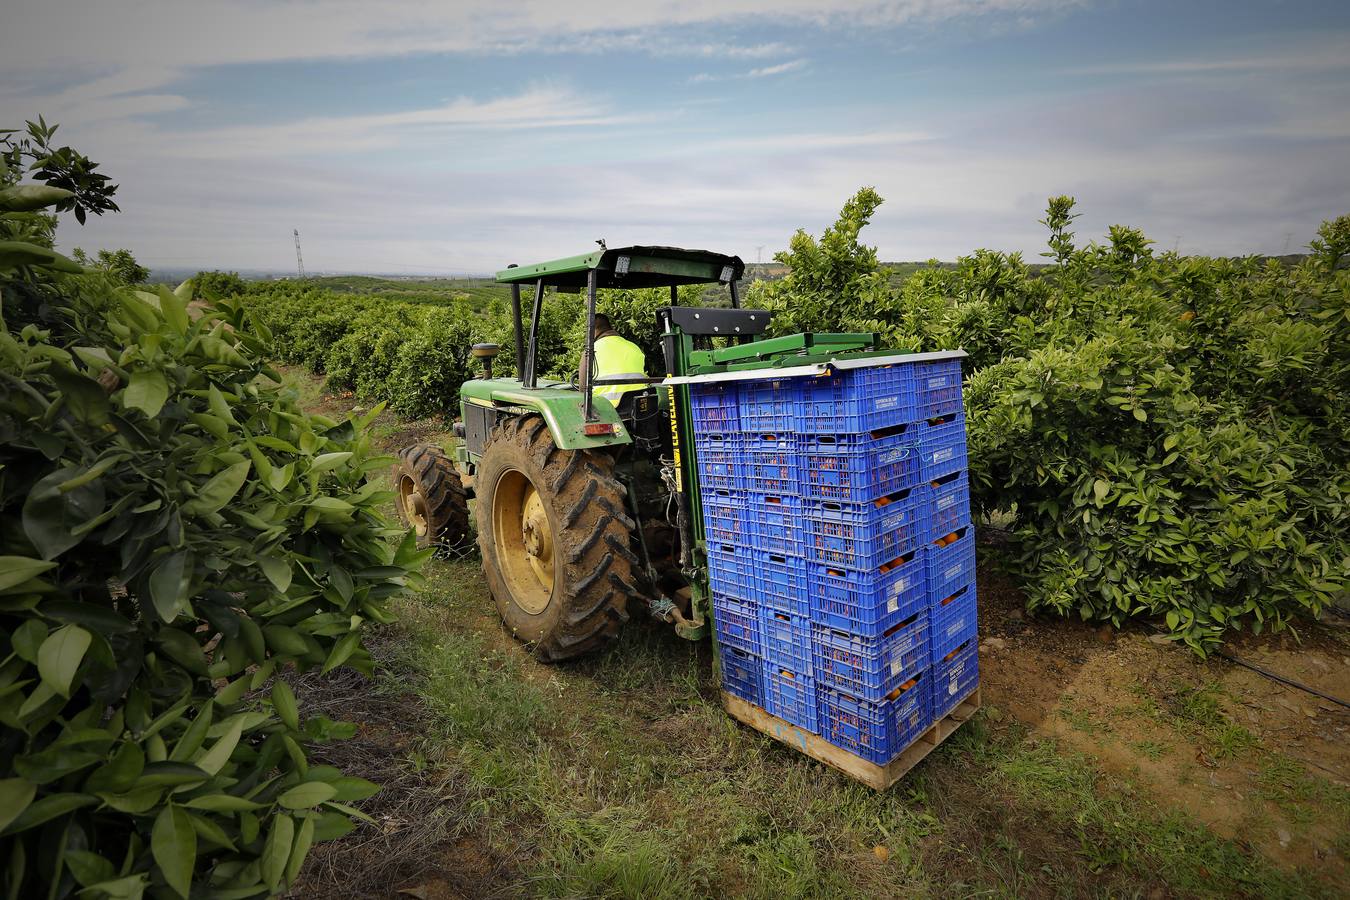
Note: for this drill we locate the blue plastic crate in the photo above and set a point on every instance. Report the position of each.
(942, 446)
(877, 732)
(715, 408)
(780, 582)
(952, 565)
(731, 572)
(790, 696)
(786, 639)
(770, 405)
(855, 468)
(769, 463)
(857, 400)
(869, 667)
(721, 462)
(949, 506)
(868, 603)
(742, 674)
(866, 535)
(737, 623)
(954, 677)
(724, 515)
(937, 388)
(953, 622)
(773, 523)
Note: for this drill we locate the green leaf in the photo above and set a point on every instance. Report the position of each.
(351, 788)
(173, 843)
(54, 763)
(1100, 489)
(60, 656)
(51, 515)
(96, 618)
(119, 774)
(283, 701)
(1140, 414)
(147, 392)
(22, 253)
(219, 407)
(31, 197)
(308, 794)
(28, 638)
(132, 887)
(15, 796)
(134, 802)
(342, 650)
(219, 490)
(169, 585)
(326, 461)
(88, 868)
(304, 839)
(174, 306)
(277, 569)
(18, 569)
(213, 760)
(46, 809)
(210, 831)
(84, 396)
(331, 505)
(277, 850)
(226, 803)
(194, 736)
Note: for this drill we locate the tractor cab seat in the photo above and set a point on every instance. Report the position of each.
(640, 411)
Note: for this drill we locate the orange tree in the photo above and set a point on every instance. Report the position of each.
(174, 532)
(1167, 436)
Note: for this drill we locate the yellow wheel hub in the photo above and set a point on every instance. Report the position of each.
(413, 504)
(523, 539)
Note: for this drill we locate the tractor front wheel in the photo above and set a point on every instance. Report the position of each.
(555, 540)
(430, 497)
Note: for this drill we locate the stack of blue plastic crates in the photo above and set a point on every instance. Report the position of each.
(837, 517)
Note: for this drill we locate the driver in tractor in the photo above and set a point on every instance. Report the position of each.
(615, 357)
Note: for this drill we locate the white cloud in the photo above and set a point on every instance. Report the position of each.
(761, 72)
(1311, 53)
(169, 35)
(780, 69)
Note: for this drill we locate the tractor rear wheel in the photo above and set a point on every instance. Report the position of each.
(555, 540)
(430, 497)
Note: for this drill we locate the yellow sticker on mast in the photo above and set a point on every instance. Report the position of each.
(675, 441)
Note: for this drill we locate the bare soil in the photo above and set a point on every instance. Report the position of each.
(1114, 695)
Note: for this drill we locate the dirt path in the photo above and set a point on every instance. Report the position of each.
(620, 775)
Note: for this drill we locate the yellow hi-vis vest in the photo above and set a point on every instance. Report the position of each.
(616, 357)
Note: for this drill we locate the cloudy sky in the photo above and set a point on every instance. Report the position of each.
(424, 137)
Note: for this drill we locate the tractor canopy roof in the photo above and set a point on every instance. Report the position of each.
(630, 267)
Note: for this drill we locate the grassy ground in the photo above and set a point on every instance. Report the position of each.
(620, 775)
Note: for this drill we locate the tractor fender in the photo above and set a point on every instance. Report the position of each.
(560, 406)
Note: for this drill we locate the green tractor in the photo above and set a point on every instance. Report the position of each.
(586, 511)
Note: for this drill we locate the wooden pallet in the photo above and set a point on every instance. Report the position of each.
(869, 773)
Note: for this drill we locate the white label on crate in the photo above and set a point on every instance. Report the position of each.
(946, 501)
(895, 666)
(944, 454)
(952, 686)
(956, 626)
(891, 456)
(886, 402)
(937, 382)
(892, 605)
(900, 586)
(952, 572)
